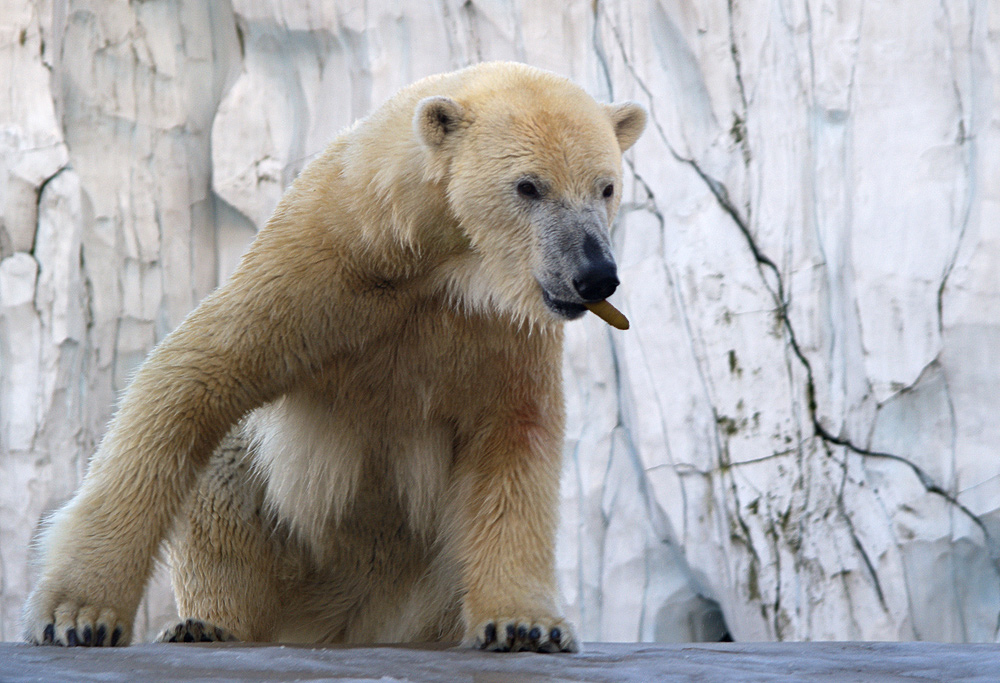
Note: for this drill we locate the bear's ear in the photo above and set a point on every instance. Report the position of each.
(629, 120)
(436, 118)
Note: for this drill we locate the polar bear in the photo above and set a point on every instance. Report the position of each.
(389, 352)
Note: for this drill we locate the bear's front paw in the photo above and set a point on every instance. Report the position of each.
(70, 624)
(523, 634)
(195, 631)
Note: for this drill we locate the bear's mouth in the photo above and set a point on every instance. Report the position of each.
(570, 310)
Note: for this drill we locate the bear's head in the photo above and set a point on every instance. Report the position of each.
(533, 174)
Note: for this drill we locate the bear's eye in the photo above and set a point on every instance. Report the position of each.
(526, 188)
(609, 191)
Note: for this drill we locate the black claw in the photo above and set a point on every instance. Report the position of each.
(205, 638)
(555, 635)
(88, 635)
(102, 633)
(510, 633)
(49, 634)
(490, 633)
(71, 639)
(116, 636)
(188, 638)
(522, 631)
(535, 633)
(219, 635)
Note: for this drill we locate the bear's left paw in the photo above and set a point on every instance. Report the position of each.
(523, 634)
(195, 631)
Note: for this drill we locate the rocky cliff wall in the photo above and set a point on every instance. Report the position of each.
(798, 437)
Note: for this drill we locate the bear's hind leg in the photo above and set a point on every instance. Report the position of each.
(195, 631)
(224, 560)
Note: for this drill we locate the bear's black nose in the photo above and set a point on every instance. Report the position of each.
(597, 281)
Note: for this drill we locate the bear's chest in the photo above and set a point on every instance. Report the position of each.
(381, 423)
(437, 365)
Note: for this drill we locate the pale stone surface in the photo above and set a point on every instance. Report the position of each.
(598, 663)
(795, 440)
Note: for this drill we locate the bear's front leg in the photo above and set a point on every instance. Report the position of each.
(285, 312)
(508, 493)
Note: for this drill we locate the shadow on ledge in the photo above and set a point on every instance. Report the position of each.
(599, 662)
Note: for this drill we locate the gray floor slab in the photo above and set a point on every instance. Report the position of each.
(600, 662)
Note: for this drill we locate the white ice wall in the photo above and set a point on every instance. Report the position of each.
(798, 434)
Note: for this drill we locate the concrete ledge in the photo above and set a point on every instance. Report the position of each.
(611, 662)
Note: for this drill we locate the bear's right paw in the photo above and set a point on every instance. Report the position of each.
(195, 631)
(70, 625)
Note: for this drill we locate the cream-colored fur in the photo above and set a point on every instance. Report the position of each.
(391, 343)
